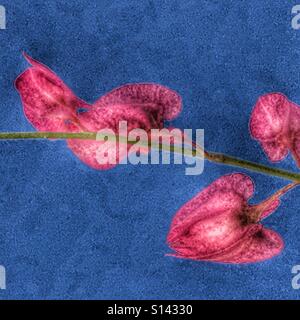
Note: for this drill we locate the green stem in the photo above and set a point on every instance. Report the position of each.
(210, 156)
(253, 166)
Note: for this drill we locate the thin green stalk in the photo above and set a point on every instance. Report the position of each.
(210, 156)
(253, 166)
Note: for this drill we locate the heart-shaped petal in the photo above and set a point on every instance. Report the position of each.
(219, 225)
(211, 221)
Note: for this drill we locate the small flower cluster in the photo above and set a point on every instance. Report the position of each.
(218, 224)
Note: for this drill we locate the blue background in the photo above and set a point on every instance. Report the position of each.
(67, 231)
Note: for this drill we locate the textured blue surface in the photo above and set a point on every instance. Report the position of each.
(67, 231)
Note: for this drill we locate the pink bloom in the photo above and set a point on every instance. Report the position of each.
(219, 225)
(51, 106)
(275, 123)
(48, 103)
(143, 106)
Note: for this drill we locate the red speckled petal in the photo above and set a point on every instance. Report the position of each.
(159, 101)
(258, 245)
(270, 125)
(219, 225)
(107, 117)
(294, 132)
(143, 106)
(269, 116)
(48, 103)
(212, 221)
(275, 150)
(51, 106)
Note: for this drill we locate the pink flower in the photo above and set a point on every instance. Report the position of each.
(51, 106)
(219, 225)
(275, 123)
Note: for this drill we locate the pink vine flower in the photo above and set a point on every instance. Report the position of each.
(219, 225)
(51, 106)
(275, 123)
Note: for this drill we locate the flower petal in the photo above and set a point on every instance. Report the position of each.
(160, 101)
(107, 117)
(212, 221)
(294, 132)
(258, 245)
(275, 123)
(275, 150)
(268, 118)
(51, 106)
(48, 103)
(143, 106)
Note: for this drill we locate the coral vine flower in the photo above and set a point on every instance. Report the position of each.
(48, 103)
(219, 225)
(143, 106)
(51, 106)
(275, 123)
